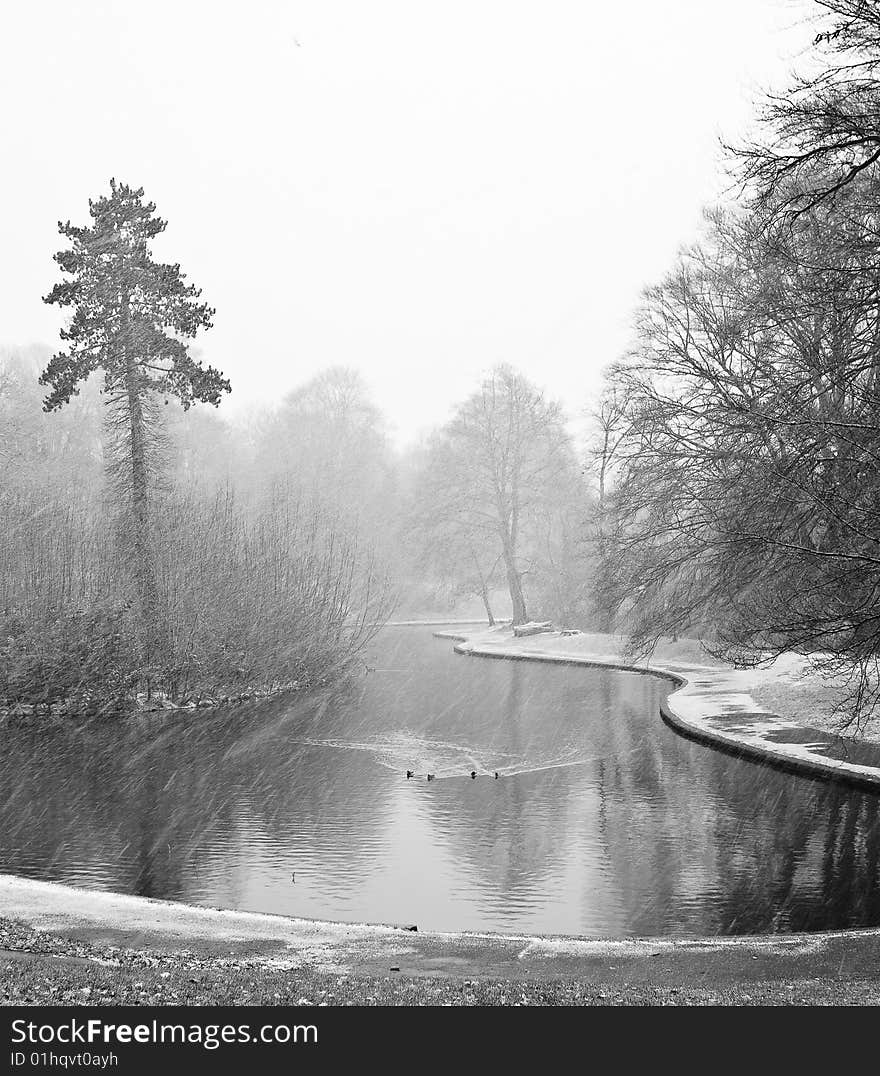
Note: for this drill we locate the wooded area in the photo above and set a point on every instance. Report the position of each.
(745, 423)
(727, 488)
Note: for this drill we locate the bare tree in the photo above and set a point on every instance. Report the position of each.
(490, 471)
(609, 425)
(747, 499)
(330, 439)
(823, 132)
(453, 544)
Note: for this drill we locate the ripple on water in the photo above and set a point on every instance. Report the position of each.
(603, 822)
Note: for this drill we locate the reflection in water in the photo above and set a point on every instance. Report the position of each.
(604, 821)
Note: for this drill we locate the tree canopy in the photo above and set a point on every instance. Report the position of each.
(493, 484)
(130, 313)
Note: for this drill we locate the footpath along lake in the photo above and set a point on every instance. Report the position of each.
(602, 822)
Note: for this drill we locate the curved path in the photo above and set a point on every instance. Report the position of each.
(708, 703)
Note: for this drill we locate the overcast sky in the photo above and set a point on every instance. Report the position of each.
(416, 189)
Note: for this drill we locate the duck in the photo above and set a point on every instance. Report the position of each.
(409, 773)
(430, 776)
(496, 775)
(473, 775)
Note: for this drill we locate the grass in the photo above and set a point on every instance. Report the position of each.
(41, 968)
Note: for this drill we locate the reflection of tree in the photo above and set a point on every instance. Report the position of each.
(148, 806)
(514, 834)
(850, 860)
(650, 833)
(648, 817)
(727, 846)
(802, 855)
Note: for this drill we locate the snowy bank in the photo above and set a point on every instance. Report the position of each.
(710, 701)
(101, 928)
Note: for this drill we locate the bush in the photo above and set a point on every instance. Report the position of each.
(86, 659)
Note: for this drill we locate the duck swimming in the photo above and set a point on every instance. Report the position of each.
(409, 773)
(430, 776)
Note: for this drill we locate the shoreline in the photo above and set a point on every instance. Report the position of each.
(61, 944)
(710, 703)
(64, 945)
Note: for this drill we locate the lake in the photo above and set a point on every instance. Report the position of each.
(602, 822)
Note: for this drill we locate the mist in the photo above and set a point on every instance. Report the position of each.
(439, 487)
(416, 194)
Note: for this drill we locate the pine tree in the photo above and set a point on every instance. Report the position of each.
(131, 319)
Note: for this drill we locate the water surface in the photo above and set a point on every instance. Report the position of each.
(603, 820)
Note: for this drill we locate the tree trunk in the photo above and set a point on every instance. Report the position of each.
(141, 545)
(517, 600)
(484, 594)
(507, 531)
(514, 579)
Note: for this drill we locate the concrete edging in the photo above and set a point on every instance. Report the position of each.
(708, 704)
